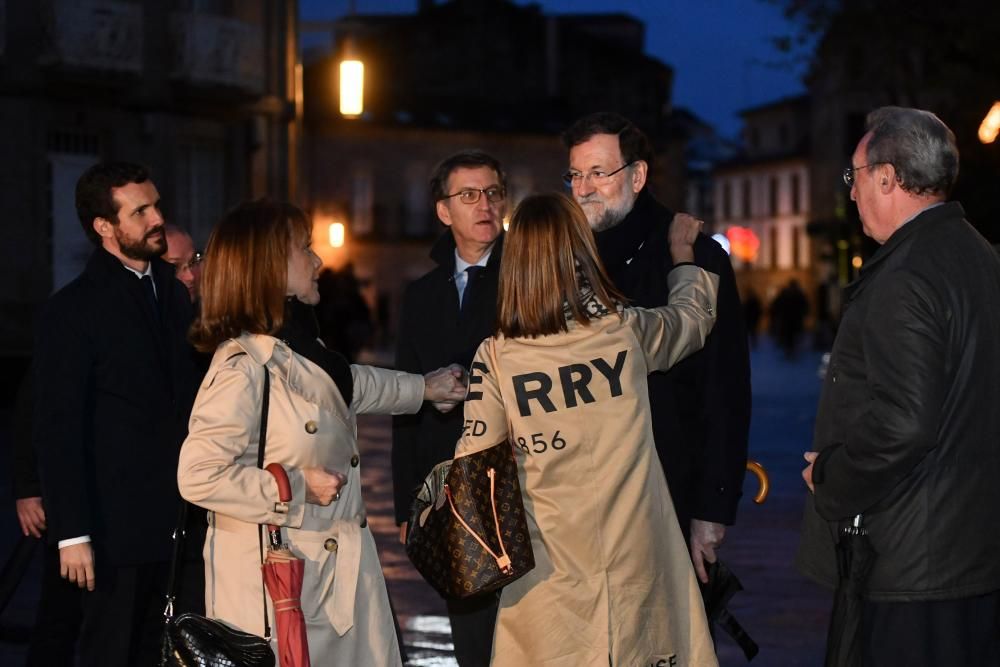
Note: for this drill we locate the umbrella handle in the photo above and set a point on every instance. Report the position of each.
(762, 479)
(284, 496)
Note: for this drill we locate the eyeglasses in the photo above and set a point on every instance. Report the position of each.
(494, 194)
(849, 172)
(596, 176)
(191, 264)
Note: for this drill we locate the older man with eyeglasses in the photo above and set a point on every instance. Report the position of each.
(701, 407)
(184, 258)
(446, 315)
(907, 438)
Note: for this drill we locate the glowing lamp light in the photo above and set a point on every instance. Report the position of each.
(856, 261)
(743, 243)
(337, 234)
(991, 125)
(352, 87)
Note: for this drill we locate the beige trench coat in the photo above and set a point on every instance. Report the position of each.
(613, 579)
(344, 598)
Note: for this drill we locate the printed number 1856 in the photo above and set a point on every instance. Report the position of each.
(538, 444)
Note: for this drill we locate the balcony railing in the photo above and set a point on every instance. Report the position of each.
(217, 50)
(97, 34)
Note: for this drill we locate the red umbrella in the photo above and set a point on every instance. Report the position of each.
(283, 578)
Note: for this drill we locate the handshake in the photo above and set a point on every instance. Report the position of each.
(446, 387)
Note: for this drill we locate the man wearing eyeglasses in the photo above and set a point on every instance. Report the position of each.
(184, 258)
(701, 407)
(446, 315)
(907, 437)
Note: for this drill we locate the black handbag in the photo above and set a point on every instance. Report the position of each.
(468, 535)
(191, 640)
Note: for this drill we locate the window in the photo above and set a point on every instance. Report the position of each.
(746, 199)
(727, 201)
(796, 194)
(772, 196)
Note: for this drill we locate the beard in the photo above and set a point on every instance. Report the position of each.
(153, 244)
(606, 216)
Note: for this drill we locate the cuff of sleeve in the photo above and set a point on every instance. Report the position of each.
(819, 465)
(83, 539)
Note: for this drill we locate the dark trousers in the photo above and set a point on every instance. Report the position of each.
(472, 623)
(123, 616)
(60, 611)
(962, 632)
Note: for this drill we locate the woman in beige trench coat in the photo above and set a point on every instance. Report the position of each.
(565, 381)
(259, 280)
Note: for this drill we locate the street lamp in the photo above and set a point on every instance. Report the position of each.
(352, 87)
(990, 126)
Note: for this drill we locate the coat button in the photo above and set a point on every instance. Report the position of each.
(355, 460)
(311, 427)
(364, 522)
(330, 544)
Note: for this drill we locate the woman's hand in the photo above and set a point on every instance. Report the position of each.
(322, 486)
(446, 387)
(684, 231)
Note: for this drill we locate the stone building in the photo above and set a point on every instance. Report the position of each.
(201, 92)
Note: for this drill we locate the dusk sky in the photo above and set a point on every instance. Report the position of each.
(720, 50)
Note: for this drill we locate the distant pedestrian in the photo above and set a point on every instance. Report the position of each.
(788, 313)
(908, 428)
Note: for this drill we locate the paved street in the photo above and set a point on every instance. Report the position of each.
(785, 614)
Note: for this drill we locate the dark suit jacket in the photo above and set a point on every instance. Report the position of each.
(432, 335)
(114, 383)
(700, 407)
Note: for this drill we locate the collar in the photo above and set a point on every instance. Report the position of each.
(620, 244)
(461, 265)
(443, 252)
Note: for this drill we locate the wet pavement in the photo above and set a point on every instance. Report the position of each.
(783, 612)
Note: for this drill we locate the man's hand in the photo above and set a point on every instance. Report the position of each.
(807, 474)
(402, 532)
(446, 387)
(31, 515)
(76, 565)
(322, 486)
(684, 231)
(706, 537)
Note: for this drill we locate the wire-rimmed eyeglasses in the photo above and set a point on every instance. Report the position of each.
(191, 264)
(494, 194)
(595, 176)
(849, 172)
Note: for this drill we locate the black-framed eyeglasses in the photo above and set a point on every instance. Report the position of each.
(849, 172)
(494, 194)
(595, 176)
(181, 267)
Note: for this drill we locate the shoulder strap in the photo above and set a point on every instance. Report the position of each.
(262, 440)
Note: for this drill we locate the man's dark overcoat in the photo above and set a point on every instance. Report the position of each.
(432, 334)
(701, 407)
(114, 383)
(908, 426)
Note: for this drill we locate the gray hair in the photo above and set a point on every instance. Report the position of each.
(920, 147)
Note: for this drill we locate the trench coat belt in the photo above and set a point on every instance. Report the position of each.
(345, 574)
(346, 569)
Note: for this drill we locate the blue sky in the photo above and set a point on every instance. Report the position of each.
(720, 50)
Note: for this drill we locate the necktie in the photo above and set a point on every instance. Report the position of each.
(150, 292)
(471, 273)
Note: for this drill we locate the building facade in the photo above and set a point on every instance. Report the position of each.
(203, 93)
(487, 74)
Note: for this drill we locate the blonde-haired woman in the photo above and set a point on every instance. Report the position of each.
(257, 287)
(565, 380)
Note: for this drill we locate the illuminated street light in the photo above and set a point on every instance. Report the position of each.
(352, 86)
(336, 235)
(991, 125)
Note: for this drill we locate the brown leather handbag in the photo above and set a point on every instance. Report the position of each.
(468, 534)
